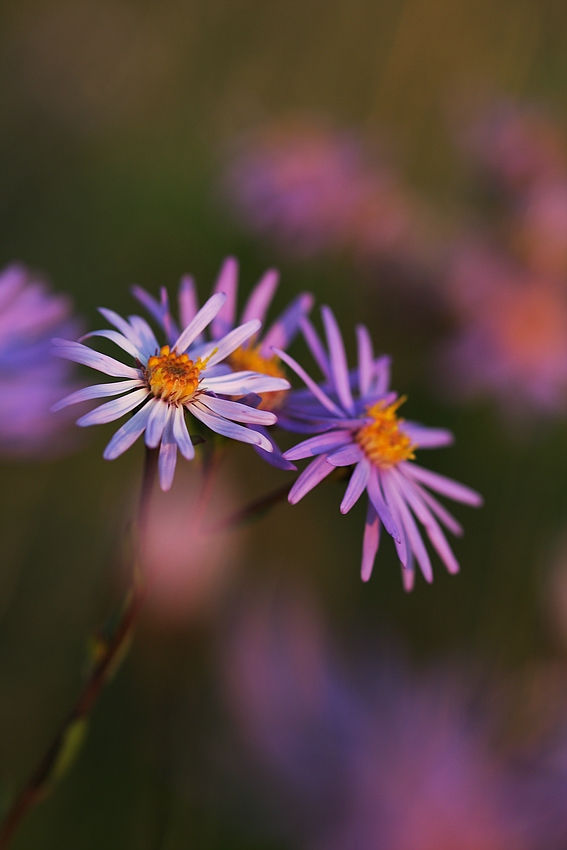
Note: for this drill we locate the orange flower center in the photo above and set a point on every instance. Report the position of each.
(173, 377)
(250, 358)
(382, 440)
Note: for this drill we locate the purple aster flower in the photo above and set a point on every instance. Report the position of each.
(256, 353)
(363, 430)
(165, 381)
(30, 379)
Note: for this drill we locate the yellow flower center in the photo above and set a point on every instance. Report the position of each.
(174, 377)
(250, 358)
(382, 440)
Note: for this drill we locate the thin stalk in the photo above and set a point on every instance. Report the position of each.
(108, 653)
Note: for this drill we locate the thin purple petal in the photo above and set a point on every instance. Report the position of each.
(346, 456)
(156, 423)
(222, 348)
(375, 493)
(167, 453)
(114, 409)
(96, 391)
(127, 435)
(321, 396)
(187, 299)
(87, 357)
(327, 442)
(238, 412)
(228, 429)
(312, 475)
(200, 322)
(370, 542)
(365, 359)
(261, 297)
(316, 347)
(339, 366)
(441, 484)
(181, 434)
(285, 328)
(356, 485)
(227, 282)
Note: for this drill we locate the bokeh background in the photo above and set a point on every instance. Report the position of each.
(124, 126)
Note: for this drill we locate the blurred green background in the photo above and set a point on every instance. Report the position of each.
(116, 118)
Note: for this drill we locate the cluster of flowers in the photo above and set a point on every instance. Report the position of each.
(232, 380)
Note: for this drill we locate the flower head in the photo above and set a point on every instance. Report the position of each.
(364, 430)
(167, 380)
(30, 380)
(314, 190)
(256, 353)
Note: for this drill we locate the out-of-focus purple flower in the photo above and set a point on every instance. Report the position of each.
(256, 353)
(539, 230)
(364, 431)
(512, 344)
(312, 190)
(30, 378)
(517, 146)
(166, 381)
(386, 760)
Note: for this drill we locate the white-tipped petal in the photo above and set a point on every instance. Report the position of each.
(203, 318)
(222, 348)
(238, 412)
(127, 435)
(156, 423)
(96, 391)
(87, 357)
(181, 434)
(113, 409)
(229, 429)
(167, 455)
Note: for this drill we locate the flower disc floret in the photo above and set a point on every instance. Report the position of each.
(174, 377)
(382, 440)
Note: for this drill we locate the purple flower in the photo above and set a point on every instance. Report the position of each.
(384, 757)
(165, 381)
(30, 379)
(256, 353)
(512, 340)
(364, 431)
(517, 145)
(313, 190)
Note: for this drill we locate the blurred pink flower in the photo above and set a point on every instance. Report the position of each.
(393, 762)
(517, 146)
(187, 559)
(313, 190)
(31, 380)
(512, 342)
(539, 230)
